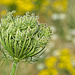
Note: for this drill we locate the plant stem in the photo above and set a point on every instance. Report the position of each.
(14, 68)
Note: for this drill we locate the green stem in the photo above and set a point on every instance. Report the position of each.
(14, 68)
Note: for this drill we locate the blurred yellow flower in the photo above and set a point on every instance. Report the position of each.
(60, 5)
(64, 54)
(61, 62)
(61, 65)
(50, 62)
(24, 5)
(44, 72)
(69, 66)
(65, 51)
(6, 2)
(52, 71)
(73, 71)
(65, 59)
(21, 6)
(47, 7)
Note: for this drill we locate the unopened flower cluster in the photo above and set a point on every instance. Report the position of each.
(22, 37)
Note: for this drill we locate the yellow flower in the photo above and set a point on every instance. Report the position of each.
(62, 61)
(64, 54)
(60, 5)
(65, 59)
(73, 71)
(6, 2)
(68, 66)
(44, 72)
(50, 62)
(65, 51)
(53, 71)
(24, 5)
(61, 65)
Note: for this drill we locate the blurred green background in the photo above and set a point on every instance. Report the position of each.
(60, 16)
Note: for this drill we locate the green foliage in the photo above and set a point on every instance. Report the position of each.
(22, 37)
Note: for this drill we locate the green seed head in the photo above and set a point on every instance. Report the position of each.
(22, 37)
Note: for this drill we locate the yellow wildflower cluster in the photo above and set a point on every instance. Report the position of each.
(6, 2)
(51, 70)
(50, 62)
(60, 5)
(48, 72)
(44, 72)
(65, 59)
(24, 5)
(44, 6)
(20, 5)
(60, 62)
